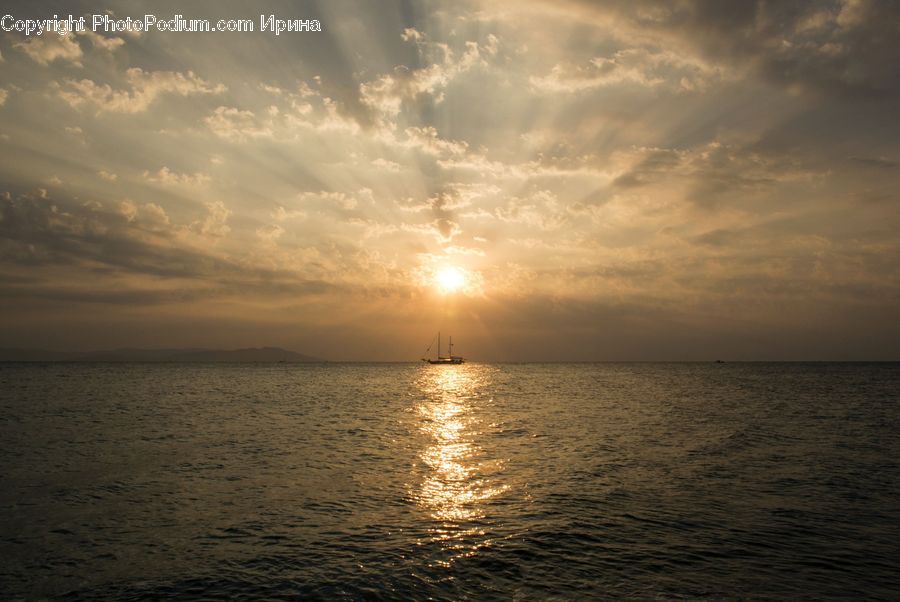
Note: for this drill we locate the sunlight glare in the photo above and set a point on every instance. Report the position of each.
(450, 279)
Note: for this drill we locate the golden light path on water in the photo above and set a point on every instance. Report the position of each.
(460, 478)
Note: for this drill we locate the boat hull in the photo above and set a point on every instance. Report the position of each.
(448, 361)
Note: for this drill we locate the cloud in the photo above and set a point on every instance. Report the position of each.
(149, 216)
(848, 47)
(411, 34)
(36, 231)
(643, 67)
(428, 140)
(215, 223)
(541, 210)
(167, 177)
(652, 165)
(856, 13)
(274, 90)
(443, 206)
(383, 164)
(134, 254)
(145, 88)
(4, 94)
(270, 233)
(100, 42)
(133, 258)
(385, 95)
(330, 201)
(290, 114)
(109, 177)
(709, 173)
(281, 214)
(880, 162)
(598, 73)
(46, 49)
(814, 22)
(234, 124)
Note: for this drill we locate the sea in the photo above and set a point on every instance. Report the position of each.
(643, 481)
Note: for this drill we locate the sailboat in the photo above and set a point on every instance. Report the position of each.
(444, 359)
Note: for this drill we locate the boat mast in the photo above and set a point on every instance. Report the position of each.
(450, 348)
(439, 344)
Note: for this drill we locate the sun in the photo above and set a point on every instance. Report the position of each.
(450, 279)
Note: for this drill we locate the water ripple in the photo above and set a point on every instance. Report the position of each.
(408, 482)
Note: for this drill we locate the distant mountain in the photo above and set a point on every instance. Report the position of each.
(253, 354)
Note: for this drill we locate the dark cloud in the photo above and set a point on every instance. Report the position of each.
(28, 295)
(717, 238)
(710, 174)
(657, 164)
(36, 232)
(879, 162)
(850, 47)
(444, 219)
(40, 231)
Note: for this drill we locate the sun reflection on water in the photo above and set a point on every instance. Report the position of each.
(460, 477)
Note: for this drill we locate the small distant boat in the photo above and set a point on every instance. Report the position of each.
(443, 359)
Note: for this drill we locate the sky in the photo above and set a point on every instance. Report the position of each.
(621, 180)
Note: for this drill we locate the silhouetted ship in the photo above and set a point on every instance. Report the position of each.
(443, 359)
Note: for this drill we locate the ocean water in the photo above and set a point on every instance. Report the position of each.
(406, 481)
